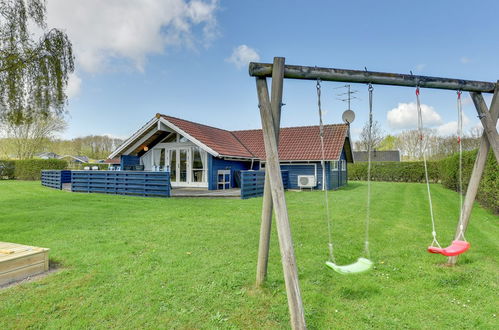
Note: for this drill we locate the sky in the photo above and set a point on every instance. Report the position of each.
(189, 59)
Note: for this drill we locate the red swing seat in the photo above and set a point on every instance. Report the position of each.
(457, 247)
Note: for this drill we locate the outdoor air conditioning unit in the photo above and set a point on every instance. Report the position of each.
(306, 181)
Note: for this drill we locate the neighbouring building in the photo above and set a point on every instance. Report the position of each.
(47, 155)
(196, 154)
(377, 156)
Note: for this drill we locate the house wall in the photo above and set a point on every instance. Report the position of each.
(215, 164)
(335, 179)
(339, 178)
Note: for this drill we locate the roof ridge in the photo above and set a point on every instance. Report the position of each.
(193, 122)
(306, 126)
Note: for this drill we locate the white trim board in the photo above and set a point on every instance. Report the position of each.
(189, 137)
(133, 137)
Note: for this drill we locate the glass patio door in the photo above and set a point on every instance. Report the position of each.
(187, 166)
(183, 165)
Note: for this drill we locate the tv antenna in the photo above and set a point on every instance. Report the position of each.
(347, 96)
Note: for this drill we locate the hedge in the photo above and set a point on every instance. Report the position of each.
(29, 169)
(488, 191)
(445, 171)
(395, 171)
(81, 166)
(7, 169)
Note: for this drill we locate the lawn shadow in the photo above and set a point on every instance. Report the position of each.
(54, 264)
(359, 293)
(351, 186)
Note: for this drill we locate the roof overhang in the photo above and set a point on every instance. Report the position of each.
(148, 134)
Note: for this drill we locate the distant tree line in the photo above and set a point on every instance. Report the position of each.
(408, 142)
(27, 141)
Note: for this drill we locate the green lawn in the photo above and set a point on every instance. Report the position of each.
(133, 262)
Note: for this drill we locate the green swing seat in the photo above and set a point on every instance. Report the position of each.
(360, 266)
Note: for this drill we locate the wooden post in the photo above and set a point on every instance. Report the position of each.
(276, 102)
(279, 201)
(489, 126)
(476, 174)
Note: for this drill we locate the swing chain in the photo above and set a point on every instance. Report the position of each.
(369, 145)
(321, 125)
(326, 198)
(459, 141)
(423, 152)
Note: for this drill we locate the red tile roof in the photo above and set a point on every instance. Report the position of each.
(299, 143)
(295, 143)
(221, 141)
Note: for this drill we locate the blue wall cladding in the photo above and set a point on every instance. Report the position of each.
(215, 164)
(135, 183)
(127, 161)
(303, 169)
(55, 178)
(253, 182)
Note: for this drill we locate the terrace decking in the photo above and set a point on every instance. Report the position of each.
(19, 261)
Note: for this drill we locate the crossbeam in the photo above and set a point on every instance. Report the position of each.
(378, 78)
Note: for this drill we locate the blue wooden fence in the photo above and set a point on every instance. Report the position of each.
(55, 178)
(252, 183)
(136, 183)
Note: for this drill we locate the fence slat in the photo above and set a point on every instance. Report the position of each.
(252, 183)
(132, 183)
(55, 178)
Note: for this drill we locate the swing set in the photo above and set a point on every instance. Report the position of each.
(274, 199)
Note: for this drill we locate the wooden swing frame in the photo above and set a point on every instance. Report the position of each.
(270, 113)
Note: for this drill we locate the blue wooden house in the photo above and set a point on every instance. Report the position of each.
(202, 156)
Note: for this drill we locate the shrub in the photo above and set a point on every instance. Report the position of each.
(488, 190)
(445, 171)
(395, 171)
(6, 169)
(101, 166)
(30, 169)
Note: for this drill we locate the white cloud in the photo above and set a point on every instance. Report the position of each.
(131, 30)
(74, 85)
(405, 116)
(465, 60)
(242, 55)
(447, 129)
(450, 128)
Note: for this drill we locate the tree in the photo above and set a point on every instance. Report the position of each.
(408, 142)
(389, 142)
(92, 146)
(376, 136)
(31, 134)
(33, 73)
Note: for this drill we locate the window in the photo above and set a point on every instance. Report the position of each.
(343, 165)
(198, 170)
(162, 160)
(334, 165)
(182, 139)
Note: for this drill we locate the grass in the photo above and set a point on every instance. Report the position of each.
(132, 262)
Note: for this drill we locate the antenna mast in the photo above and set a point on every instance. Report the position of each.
(347, 95)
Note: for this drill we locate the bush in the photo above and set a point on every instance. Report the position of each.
(30, 169)
(445, 171)
(101, 166)
(6, 169)
(488, 190)
(395, 171)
